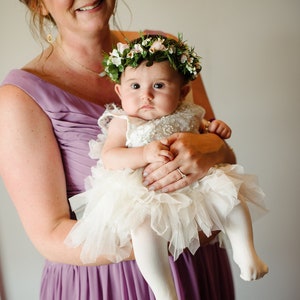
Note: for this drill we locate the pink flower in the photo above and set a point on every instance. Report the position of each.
(121, 47)
(157, 46)
(137, 48)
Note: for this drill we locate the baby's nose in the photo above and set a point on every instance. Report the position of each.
(147, 95)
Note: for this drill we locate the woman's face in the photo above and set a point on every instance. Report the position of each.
(79, 16)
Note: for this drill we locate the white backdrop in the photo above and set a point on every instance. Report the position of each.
(251, 70)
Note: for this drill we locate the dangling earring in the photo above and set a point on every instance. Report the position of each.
(49, 38)
(49, 26)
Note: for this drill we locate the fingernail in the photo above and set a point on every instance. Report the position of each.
(145, 183)
(145, 174)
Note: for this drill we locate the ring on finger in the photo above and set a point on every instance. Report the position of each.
(181, 173)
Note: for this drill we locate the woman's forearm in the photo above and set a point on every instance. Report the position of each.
(228, 154)
(54, 248)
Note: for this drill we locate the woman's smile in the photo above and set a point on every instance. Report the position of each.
(90, 6)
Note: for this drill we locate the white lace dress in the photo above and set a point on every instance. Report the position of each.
(116, 202)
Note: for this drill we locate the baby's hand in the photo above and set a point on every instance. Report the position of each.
(157, 152)
(220, 128)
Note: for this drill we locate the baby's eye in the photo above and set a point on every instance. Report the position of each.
(135, 86)
(158, 85)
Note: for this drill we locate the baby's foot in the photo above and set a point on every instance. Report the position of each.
(252, 269)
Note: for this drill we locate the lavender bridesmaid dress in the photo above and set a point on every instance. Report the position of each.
(204, 276)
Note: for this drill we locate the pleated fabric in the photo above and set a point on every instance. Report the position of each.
(203, 276)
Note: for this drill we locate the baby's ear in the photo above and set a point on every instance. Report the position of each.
(118, 90)
(184, 91)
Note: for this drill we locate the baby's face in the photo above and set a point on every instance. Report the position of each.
(151, 92)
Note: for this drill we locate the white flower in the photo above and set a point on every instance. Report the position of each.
(121, 47)
(183, 58)
(190, 69)
(114, 53)
(146, 41)
(115, 58)
(116, 61)
(171, 49)
(137, 48)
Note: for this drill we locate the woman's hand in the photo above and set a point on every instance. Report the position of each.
(194, 155)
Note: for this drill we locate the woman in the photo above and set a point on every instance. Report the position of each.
(51, 107)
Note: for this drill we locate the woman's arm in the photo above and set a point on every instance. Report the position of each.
(32, 171)
(116, 156)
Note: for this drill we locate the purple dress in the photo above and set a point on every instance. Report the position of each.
(203, 276)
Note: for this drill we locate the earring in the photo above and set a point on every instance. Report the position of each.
(49, 38)
(48, 27)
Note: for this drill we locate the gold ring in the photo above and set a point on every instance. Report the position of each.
(181, 173)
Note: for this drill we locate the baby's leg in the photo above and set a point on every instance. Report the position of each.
(239, 230)
(151, 254)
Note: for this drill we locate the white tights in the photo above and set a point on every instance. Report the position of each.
(151, 254)
(152, 258)
(238, 228)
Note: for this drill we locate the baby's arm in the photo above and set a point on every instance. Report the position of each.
(116, 156)
(218, 127)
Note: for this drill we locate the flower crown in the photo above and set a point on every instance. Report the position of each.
(152, 48)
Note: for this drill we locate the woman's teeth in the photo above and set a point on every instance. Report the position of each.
(89, 7)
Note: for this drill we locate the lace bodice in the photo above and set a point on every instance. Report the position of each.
(186, 118)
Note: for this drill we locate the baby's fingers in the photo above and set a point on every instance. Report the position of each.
(167, 154)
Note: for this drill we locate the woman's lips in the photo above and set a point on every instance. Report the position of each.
(90, 7)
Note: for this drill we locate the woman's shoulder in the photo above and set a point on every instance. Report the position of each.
(18, 107)
(24, 80)
(12, 87)
(27, 84)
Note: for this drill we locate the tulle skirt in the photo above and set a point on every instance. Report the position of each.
(117, 203)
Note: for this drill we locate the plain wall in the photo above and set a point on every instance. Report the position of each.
(251, 70)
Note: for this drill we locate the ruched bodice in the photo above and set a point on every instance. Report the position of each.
(74, 123)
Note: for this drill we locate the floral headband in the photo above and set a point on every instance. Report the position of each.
(152, 48)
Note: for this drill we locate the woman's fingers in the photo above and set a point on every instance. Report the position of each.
(194, 155)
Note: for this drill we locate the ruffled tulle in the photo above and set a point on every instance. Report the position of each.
(112, 213)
